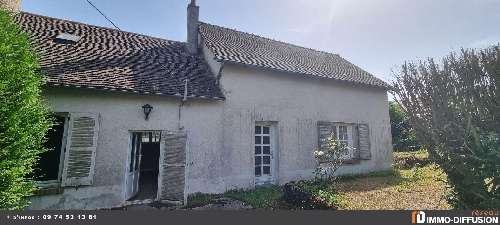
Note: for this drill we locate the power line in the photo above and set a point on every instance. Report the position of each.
(105, 17)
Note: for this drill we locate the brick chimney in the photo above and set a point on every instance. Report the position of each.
(11, 5)
(193, 12)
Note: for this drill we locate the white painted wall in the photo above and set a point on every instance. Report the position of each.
(296, 103)
(120, 114)
(220, 133)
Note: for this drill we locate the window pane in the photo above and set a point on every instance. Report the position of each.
(267, 160)
(145, 137)
(265, 130)
(257, 129)
(257, 140)
(342, 133)
(257, 160)
(137, 153)
(266, 150)
(132, 152)
(257, 171)
(267, 169)
(257, 149)
(48, 164)
(266, 139)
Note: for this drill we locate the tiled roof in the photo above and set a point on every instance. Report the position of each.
(249, 49)
(113, 60)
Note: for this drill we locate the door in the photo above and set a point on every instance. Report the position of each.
(133, 172)
(264, 157)
(171, 181)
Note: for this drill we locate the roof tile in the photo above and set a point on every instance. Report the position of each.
(249, 49)
(110, 59)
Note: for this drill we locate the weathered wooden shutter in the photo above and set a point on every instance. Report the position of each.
(79, 160)
(172, 166)
(364, 141)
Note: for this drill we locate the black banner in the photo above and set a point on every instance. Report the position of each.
(253, 217)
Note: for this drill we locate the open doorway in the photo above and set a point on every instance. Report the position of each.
(142, 174)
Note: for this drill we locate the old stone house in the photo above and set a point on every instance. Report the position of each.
(146, 118)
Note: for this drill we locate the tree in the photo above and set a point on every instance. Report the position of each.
(403, 135)
(24, 119)
(454, 108)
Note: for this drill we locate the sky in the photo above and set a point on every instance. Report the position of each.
(376, 35)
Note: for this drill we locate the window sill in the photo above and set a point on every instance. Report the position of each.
(48, 191)
(351, 162)
(48, 188)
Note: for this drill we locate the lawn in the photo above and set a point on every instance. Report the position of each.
(415, 183)
(418, 188)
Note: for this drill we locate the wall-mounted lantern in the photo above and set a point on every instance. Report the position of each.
(147, 110)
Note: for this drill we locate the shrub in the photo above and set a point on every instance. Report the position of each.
(23, 118)
(315, 194)
(455, 110)
(403, 135)
(330, 158)
(408, 160)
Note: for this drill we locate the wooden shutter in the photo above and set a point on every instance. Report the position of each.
(364, 141)
(172, 166)
(79, 160)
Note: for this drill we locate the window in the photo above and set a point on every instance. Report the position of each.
(150, 137)
(343, 133)
(262, 150)
(49, 168)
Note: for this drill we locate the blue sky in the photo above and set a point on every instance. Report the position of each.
(377, 35)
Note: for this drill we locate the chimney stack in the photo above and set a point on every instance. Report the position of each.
(193, 12)
(11, 5)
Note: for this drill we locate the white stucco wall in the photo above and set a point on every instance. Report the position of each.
(296, 104)
(220, 133)
(120, 114)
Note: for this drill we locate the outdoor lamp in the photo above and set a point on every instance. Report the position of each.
(147, 110)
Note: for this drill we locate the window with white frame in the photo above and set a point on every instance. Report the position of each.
(263, 152)
(344, 134)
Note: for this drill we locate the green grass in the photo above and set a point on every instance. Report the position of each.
(413, 186)
(267, 197)
(201, 199)
(383, 173)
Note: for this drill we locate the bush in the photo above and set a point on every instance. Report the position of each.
(455, 110)
(23, 118)
(408, 160)
(403, 135)
(329, 158)
(311, 195)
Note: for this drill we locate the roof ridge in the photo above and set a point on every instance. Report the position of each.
(283, 42)
(100, 27)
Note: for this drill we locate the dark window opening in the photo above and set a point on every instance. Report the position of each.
(48, 164)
